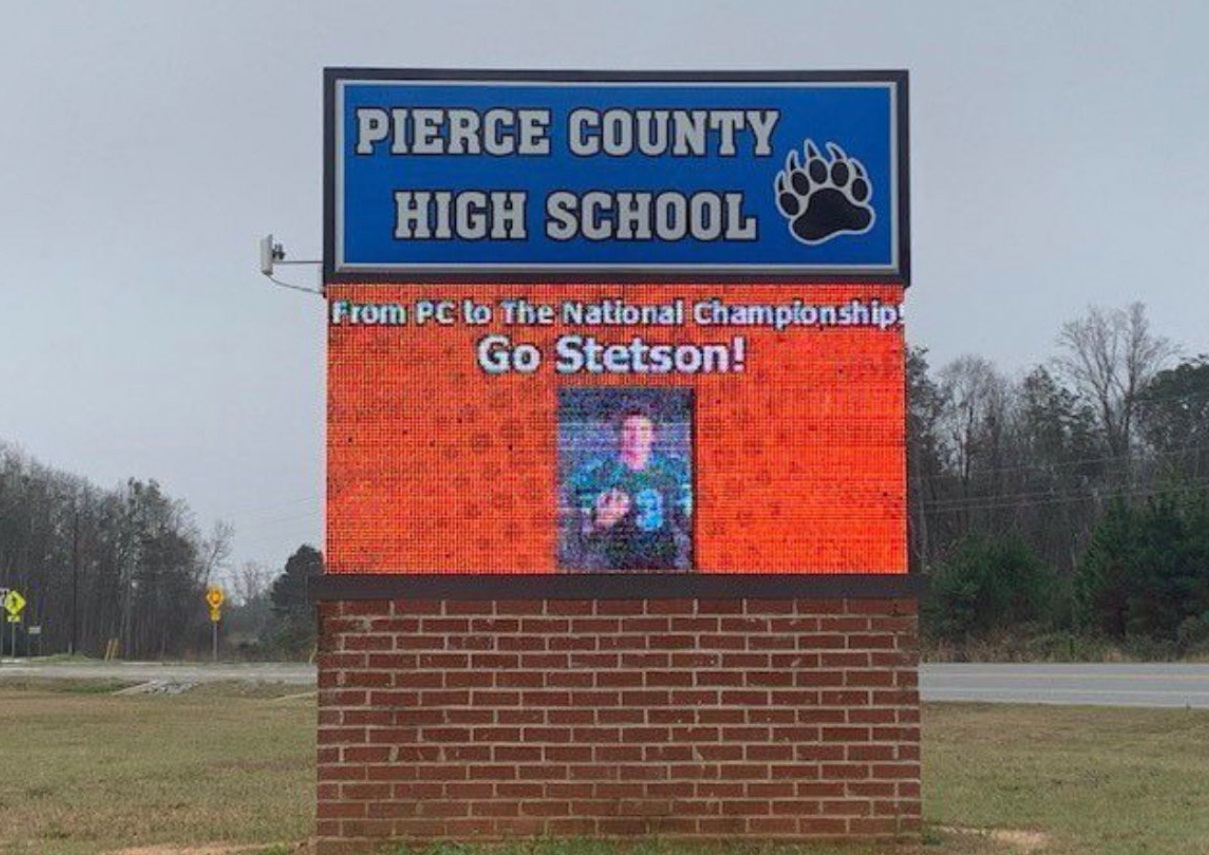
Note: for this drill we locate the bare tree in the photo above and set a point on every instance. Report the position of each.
(972, 429)
(1108, 357)
(215, 550)
(251, 581)
(925, 465)
(973, 414)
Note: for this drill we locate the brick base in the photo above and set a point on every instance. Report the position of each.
(707, 719)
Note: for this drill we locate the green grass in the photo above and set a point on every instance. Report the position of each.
(66, 659)
(946, 844)
(78, 686)
(83, 773)
(1095, 781)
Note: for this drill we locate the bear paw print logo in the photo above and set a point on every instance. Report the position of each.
(824, 198)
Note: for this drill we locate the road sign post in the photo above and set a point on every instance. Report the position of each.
(14, 604)
(214, 599)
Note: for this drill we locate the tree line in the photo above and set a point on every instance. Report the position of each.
(122, 570)
(1070, 503)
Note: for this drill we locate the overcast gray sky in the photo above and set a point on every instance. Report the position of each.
(1059, 159)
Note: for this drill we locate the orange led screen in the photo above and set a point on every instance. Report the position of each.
(572, 428)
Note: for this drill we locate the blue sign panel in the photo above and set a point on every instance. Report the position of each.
(516, 176)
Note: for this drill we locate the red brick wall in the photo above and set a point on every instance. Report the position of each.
(772, 719)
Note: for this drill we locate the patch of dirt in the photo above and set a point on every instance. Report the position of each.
(301, 696)
(1023, 841)
(158, 687)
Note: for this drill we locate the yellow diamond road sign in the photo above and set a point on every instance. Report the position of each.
(14, 603)
(214, 597)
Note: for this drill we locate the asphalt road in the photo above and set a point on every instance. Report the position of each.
(135, 672)
(1145, 685)
(1150, 685)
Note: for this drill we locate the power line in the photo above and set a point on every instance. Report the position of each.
(1080, 461)
(998, 502)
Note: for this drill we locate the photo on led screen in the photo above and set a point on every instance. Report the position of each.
(625, 479)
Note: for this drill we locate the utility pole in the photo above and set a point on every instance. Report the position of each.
(75, 577)
(130, 562)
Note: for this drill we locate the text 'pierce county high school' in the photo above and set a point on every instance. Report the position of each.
(476, 178)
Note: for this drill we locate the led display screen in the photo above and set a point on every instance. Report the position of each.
(573, 428)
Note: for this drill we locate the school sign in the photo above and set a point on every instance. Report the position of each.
(616, 459)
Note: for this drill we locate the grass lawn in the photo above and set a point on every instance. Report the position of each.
(86, 771)
(1095, 781)
(82, 772)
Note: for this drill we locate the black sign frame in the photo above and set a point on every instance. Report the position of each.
(548, 273)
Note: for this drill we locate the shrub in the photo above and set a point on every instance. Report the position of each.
(990, 584)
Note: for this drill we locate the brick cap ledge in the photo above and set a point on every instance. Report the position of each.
(614, 586)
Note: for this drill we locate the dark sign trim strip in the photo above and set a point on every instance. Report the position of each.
(614, 586)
